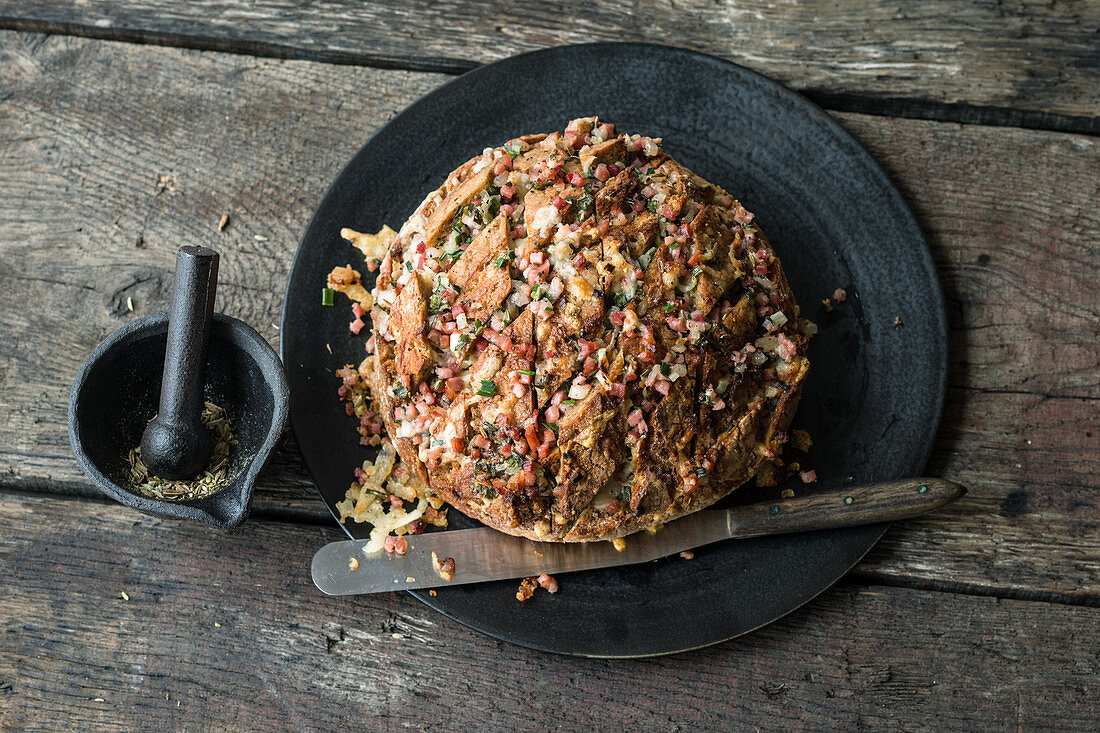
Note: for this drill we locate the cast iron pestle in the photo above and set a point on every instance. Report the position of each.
(176, 445)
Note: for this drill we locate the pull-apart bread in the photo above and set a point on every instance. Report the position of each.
(576, 338)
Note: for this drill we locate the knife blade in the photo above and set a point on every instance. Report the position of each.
(484, 554)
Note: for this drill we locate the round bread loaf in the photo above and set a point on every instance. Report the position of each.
(577, 338)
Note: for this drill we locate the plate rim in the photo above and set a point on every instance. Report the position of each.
(924, 252)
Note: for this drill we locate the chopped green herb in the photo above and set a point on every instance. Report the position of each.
(528, 372)
(487, 491)
(503, 260)
(514, 149)
(452, 256)
(666, 369)
(569, 402)
(697, 271)
(375, 492)
(539, 185)
(647, 257)
(583, 203)
(553, 426)
(399, 389)
(409, 266)
(700, 472)
(327, 295)
(669, 307)
(623, 297)
(488, 388)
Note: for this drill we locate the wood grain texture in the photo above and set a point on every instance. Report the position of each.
(219, 631)
(88, 127)
(1037, 58)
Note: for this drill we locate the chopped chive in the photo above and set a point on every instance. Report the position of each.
(488, 388)
(665, 368)
(669, 307)
(327, 296)
(528, 372)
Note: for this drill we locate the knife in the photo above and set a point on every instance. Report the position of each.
(484, 554)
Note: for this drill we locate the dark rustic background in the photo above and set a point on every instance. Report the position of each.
(130, 127)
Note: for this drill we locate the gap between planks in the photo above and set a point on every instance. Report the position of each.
(869, 104)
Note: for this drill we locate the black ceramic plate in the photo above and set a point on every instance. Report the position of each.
(872, 402)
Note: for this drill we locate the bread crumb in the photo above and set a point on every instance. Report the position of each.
(619, 543)
(444, 567)
(526, 589)
(223, 222)
(687, 555)
(353, 564)
(125, 596)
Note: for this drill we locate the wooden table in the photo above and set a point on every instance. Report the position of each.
(130, 127)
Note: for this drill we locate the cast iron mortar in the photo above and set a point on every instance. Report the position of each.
(117, 391)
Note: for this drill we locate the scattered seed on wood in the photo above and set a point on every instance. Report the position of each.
(125, 596)
(259, 237)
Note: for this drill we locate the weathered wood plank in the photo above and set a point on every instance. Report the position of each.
(226, 631)
(1034, 57)
(88, 126)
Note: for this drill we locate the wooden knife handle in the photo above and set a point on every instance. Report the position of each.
(885, 501)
